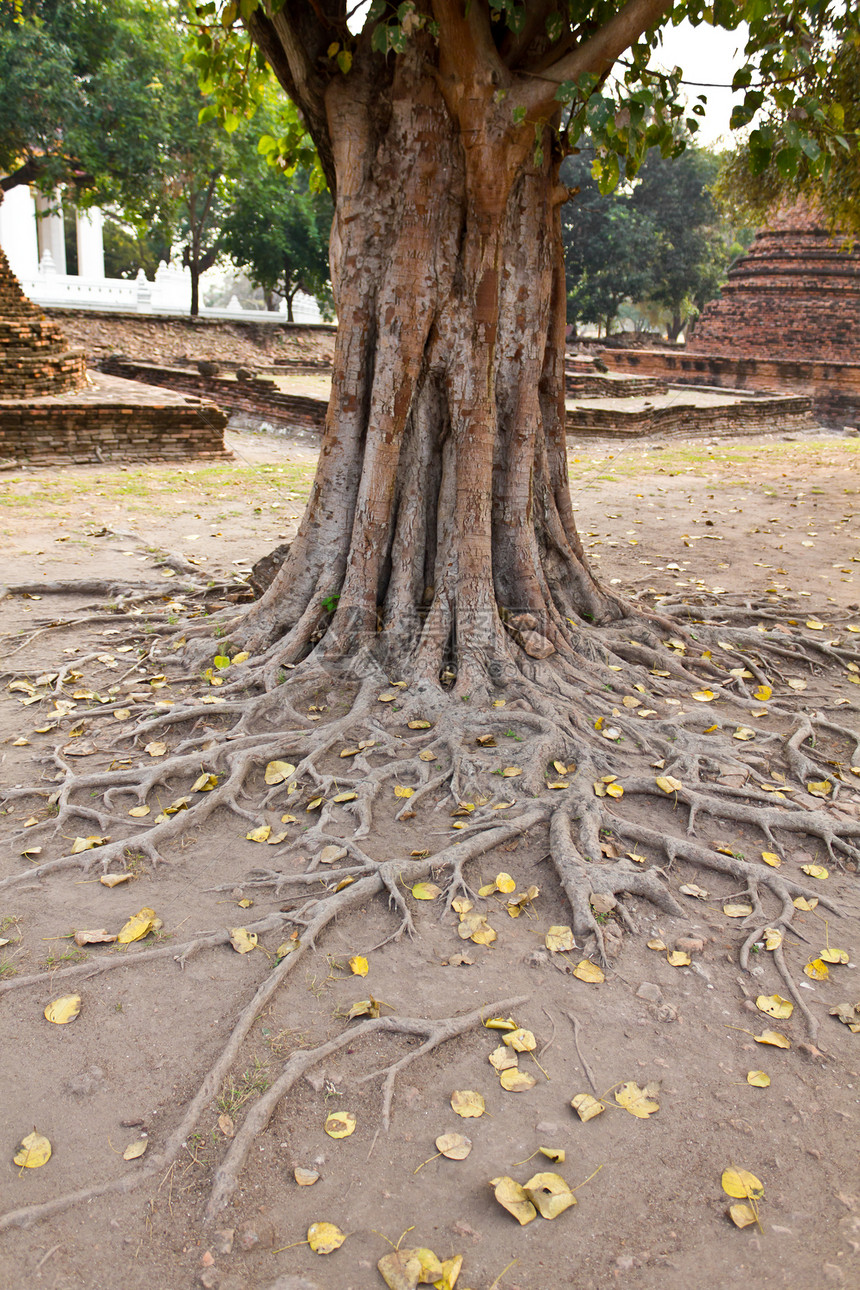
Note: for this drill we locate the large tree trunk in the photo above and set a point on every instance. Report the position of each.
(441, 508)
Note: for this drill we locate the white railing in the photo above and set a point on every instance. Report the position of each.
(170, 293)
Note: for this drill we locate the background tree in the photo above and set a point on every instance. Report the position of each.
(792, 150)
(278, 224)
(79, 103)
(609, 245)
(658, 242)
(692, 248)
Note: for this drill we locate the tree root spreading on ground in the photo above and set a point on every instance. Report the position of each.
(576, 729)
(434, 1033)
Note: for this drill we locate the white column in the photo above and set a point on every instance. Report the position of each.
(18, 231)
(52, 235)
(91, 251)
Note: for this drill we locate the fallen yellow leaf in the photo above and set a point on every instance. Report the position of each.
(817, 970)
(136, 1149)
(559, 938)
(64, 1009)
(522, 1041)
(758, 1079)
(453, 1146)
(740, 1184)
(203, 784)
(359, 965)
(743, 1214)
(815, 871)
(587, 1107)
(34, 1151)
(242, 940)
(834, 956)
(516, 1081)
(325, 1238)
(426, 891)
(550, 1194)
(775, 1006)
(137, 926)
(512, 1197)
(467, 1103)
(590, 972)
(260, 834)
(340, 1124)
(772, 1037)
(641, 1102)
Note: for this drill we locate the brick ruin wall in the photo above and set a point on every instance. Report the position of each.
(257, 397)
(60, 432)
(169, 341)
(833, 387)
(755, 416)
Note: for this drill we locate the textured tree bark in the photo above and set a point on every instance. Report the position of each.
(441, 509)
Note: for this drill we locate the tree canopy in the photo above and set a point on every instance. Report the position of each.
(79, 106)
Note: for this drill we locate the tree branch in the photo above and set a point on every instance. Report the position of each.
(466, 43)
(597, 54)
(289, 52)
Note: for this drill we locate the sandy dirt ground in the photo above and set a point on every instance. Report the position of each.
(762, 518)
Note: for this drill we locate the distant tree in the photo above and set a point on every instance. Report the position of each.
(278, 230)
(607, 246)
(657, 241)
(128, 249)
(691, 249)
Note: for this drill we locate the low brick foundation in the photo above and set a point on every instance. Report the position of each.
(596, 386)
(834, 388)
(748, 416)
(111, 420)
(257, 397)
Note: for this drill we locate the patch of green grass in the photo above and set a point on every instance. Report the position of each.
(253, 1081)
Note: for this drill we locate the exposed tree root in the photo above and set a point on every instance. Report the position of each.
(434, 1033)
(542, 747)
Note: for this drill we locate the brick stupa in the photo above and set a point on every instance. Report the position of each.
(794, 295)
(35, 358)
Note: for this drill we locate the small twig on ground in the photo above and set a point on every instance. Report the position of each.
(582, 1061)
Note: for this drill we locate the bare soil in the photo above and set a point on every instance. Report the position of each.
(765, 518)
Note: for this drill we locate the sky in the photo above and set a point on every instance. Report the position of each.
(708, 54)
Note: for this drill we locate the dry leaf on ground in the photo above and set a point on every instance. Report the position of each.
(324, 1238)
(340, 1124)
(64, 1009)
(467, 1103)
(34, 1151)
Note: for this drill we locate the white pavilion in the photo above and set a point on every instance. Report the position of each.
(32, 233)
